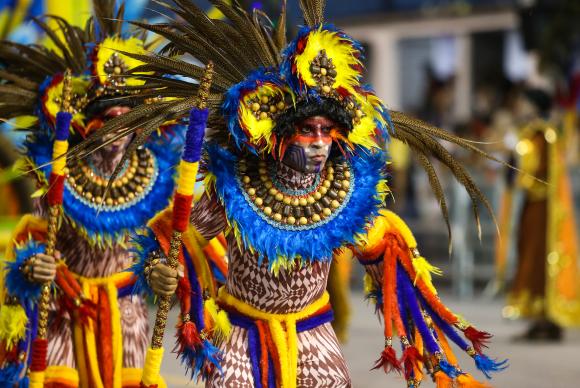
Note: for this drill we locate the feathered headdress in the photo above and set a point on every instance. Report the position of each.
(260, 80)
(32, 75)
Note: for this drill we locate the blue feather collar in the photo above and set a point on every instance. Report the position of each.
(279, 244)
(113, 225)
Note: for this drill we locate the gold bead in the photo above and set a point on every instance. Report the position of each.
(310, 199)
(315, 218)
(268, 184)
(88, 195)
(342, 194)
(273, 191)
(326, 89)
(132, 170)
(263, 178)
(246, 179)
(317, 195)
(302, 202)
(330, 177)
(359, 113)
(79, 189)
(259, 201)
(295, 202)
(121, 200)
(291, 220)
(323, 71)
(131, 195)
(279, 196)
(251, 191)
(335, 204)
(273, 109)
(345, 184)
(263, 115)
(109, 201)
(139, 189)
(330, 170)
(323, 190)
(145, 181)
(278, 217)
(265, 99)
(326, 211)
(287, 200)
(262, 170)
(303, 220)
(347, 174)
(150, 170)
(255, 107)
(267, 210)
(326, 183)
(281, 105)
(98, 200)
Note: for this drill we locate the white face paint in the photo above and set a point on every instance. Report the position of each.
(309, 148)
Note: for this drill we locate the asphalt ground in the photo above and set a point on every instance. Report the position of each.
(532, 365)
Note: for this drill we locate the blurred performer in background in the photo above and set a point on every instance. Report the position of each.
(97, 333)
(295, 170)
(546, 288)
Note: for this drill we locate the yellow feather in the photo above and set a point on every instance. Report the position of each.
(368, 284)
(13, 322)
(423, 270)
(340, 50)
(223, 327)
(52, 98)
(112, 45)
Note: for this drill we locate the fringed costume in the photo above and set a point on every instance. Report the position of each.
(97, 332)
(269, 325)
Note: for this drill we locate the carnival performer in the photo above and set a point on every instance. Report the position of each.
(294, 164)
(545, 287)
(97, 332)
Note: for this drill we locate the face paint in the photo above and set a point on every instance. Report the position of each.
(98, 122)
(309, 148)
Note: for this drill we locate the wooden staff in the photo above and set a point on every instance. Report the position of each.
(182, 202)
(54, 198)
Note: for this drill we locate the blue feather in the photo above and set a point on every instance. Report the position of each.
(486, 365)
(143, 245)
(315, 244)
(449, 369)
(16, 282)
(233, 99)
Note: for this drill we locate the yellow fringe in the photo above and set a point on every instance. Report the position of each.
(187, 177)
(132, 378)
(13, 322)
(63, 375)
(36, 380)
(59, 148)
(90, 340)
(222, 326)
(116, 335)
(286, 341)
(467, 381)
(442, 380)
(152, 366)
(423, 270)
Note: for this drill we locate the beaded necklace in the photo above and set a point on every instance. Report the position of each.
(293, 209)
(134, 183)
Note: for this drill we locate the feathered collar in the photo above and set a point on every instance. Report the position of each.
(280, 242)
(111, 224)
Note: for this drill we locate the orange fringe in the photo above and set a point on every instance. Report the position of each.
(442, 380)
(467, 381)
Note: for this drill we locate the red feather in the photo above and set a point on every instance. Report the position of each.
(411, 359)
(388, 361)
(480, 339)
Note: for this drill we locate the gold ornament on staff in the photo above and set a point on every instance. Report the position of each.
(184, 188)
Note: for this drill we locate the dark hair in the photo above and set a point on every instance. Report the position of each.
(328, 107)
